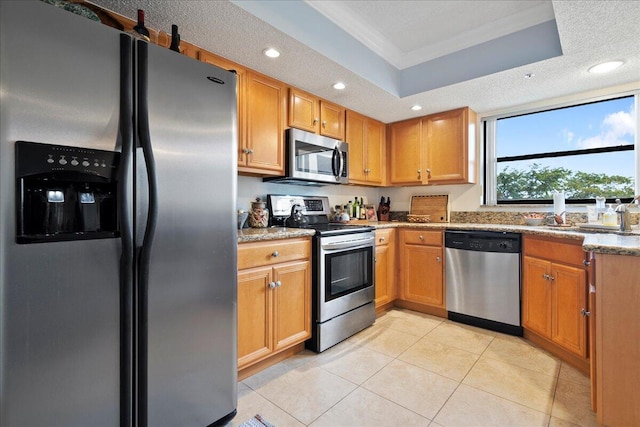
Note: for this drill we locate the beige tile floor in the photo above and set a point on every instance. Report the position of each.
(411, 369)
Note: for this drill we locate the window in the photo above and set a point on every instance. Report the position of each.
(585, 150)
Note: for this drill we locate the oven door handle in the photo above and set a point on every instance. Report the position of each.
(330, 247)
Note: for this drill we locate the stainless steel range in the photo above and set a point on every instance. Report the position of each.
(343, 271)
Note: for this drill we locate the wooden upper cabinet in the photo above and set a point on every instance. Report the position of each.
(441, 150)
(310, 113)
(405, 149)
(450, 147)
(262, 149)
(332, 121)
(304, 110)
(367, 141)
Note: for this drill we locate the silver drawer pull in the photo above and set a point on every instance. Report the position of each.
(275, 254)
(272, 285)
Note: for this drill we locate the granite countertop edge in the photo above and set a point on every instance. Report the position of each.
(598, 242)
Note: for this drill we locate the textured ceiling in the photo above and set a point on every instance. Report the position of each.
(589, 32)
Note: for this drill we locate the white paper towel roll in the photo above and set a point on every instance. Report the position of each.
(558, 205)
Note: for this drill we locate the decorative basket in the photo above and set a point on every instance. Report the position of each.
(418, 218)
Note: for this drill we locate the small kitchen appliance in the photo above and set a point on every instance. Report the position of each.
(314, 160)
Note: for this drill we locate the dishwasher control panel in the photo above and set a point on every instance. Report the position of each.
(483, 241)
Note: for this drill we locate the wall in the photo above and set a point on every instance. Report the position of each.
(461, 197)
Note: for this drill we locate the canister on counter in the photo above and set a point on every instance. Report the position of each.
(259, 215)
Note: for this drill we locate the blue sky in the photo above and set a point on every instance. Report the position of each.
(598, 124)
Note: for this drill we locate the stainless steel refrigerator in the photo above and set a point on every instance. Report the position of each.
(117, 228)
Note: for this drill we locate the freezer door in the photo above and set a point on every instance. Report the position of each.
(191, 373)
(58, 301)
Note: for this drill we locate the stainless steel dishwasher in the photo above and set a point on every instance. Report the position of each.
(483, 279)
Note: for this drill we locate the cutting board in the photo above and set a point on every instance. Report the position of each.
(437, 207)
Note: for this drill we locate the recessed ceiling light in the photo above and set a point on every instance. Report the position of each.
(529, 76)
(605, 67)
(416, 107)
(339, 86)
(271, 52)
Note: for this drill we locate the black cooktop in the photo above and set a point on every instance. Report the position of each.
(328, 229)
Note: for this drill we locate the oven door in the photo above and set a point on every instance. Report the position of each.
(345, 274)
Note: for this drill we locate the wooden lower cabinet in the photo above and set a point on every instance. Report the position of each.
(274, 299)
(385, 268)
(554, 296)
(422, 269)
(617, 295)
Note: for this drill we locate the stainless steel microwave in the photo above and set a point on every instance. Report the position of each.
(314, 160)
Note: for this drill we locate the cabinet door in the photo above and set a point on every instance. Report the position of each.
(332, 120)
(265, 116)
(446, 147)
(385, 266)
(405, 153)
(303, 110)
(422, 275)
(255, 336)
(292, 303)
(240, 86)
(536, 296)
(375, 148)
(569, 326)
(355, 139)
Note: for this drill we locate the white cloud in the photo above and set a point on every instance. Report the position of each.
(613, 130)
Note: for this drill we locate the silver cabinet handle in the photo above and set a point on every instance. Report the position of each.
(275, 254)
(438, 259)
(246, 150)
(551, 278)
(315, 122)
(272, 285)
(324, 124)
(428, 173)
(585, 312)
(545, 276)
(419, 174)
(251, 151)
(382, 239)
(278, 284)
(421, 237)
(586, 263)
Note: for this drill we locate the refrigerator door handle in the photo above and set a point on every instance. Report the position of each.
(147, 242)
(125, 125)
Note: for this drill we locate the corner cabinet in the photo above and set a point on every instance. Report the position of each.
(310, 113)
(554, 297)
(435, 149)
(367, 146)
(385, 268)
(274, 298)
(422, 271)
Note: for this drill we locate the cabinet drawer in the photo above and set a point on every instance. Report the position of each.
(383, 236)
(272, 252)
(557, 250)
(422, 237)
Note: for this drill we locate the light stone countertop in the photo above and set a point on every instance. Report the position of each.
(272, 233)
(599, 242)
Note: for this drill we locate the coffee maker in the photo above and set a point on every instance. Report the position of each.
(65, 193)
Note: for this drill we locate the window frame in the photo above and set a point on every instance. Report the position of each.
(490, 161)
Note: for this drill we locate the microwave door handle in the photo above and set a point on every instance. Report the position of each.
(337, 163)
